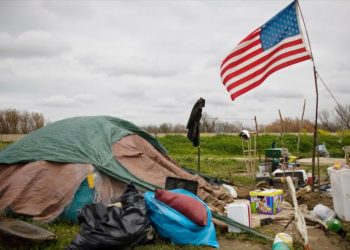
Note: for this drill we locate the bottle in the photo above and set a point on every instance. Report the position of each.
(335, 225)
(282, 241)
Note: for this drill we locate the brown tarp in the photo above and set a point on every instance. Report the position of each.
(145, 162)
(40, 189)
(43, 189)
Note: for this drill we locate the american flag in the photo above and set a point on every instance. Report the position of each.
(273, 46)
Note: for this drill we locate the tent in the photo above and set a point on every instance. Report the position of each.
(42, 173)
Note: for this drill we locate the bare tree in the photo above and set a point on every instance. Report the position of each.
(38, 120)
(342, 116)
(165, 128)
(12, 118)
(208, 122)
(13, 121)
(326, 121)
(25, 123)
(179, 128)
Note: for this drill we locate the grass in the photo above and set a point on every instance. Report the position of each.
(217, 160)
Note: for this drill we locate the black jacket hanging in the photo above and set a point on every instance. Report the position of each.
(194, 122)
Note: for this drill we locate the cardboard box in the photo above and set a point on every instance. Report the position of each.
(266, 201)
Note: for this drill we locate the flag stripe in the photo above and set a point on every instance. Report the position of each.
(261, 58)
(245, 57)
(251, 86)
(247, 68)
(251, 44)
(256, 74)
(273, 46)
(241, 49)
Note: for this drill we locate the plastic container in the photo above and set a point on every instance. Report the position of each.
(340, 190)
(335, 225)
(282, 241)
(231, 190)
(174, 183)
(239, 211)
(266, 201)
(323, 212)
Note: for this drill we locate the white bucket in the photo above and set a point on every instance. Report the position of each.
(239, 211)
(262, 168)
(323, 212)
(340, 190)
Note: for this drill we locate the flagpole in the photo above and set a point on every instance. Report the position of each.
(316, 115)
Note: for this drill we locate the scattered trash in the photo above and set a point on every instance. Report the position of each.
(174, 183)
(266, 177)
(176, 227)
(266, 201)
(245, 228)
(231, 190)
(281, 182)
(282, 241)
(23, 230)
(335, 225)
(108, 227)
(322, 151)
(192, 208)
(239, 211)
(309, 179)
(323, 212)
(297, 173)
(340, 190)
(298, 215)
(303, 191)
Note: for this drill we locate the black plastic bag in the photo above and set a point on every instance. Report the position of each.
(114, 227)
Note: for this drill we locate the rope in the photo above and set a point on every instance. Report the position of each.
(324, 84)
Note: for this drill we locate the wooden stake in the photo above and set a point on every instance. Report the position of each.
(281, 134)
(300, 127)
(257, 138)
(315, 133)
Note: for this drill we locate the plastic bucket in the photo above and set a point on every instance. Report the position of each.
(340, 190)
(239, 211)
(282, 241)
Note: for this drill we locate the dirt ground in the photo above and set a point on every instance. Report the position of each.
(318, 239)
(323, 161)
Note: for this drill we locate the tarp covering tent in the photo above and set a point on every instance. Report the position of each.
(41, 172)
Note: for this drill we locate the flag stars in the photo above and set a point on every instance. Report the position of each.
(282, 26)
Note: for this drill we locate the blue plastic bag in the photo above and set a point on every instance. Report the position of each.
(177, 228)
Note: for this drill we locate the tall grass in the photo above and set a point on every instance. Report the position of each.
(231, 145)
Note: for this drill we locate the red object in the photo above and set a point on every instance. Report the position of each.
(309, 180)
(184, 204)
(275, 45)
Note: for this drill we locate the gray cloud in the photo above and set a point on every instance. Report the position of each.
(63, 101)
(149, 61)
(134, 65)
(31, 44)
(73, 10)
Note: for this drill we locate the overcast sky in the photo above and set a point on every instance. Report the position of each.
(150, 61)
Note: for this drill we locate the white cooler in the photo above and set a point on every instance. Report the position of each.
(239, 211)
(340, 190)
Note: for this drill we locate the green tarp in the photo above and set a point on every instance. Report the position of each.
(80, 140)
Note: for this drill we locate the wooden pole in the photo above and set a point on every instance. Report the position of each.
(257, 138)
(199, 159)
(281, 134)
(199, 151)
(300, 127)
(315, 133)
(316, 90)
